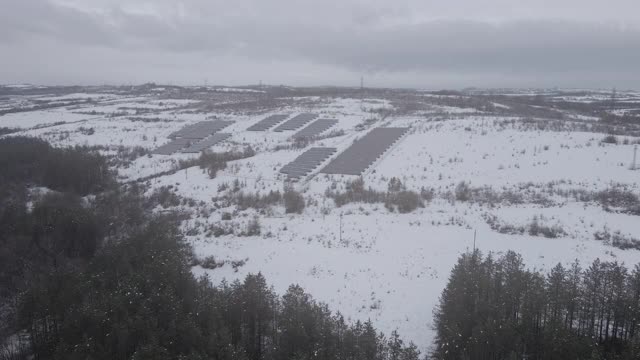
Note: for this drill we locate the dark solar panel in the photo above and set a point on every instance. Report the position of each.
(307, 162)
(267, 123)
(191, 135)
(178, 132)
(364, 152)
(201, 129)
(206, 143)
(172, 146)
(296, 122)
(316, 128)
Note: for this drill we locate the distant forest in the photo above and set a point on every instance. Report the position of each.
(88, 272)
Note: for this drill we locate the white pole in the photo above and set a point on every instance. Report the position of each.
(341, 227)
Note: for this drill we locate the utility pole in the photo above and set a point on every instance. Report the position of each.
(259, 95)
(361, 92)
(635, 155)
(474, 241)
(340, 227)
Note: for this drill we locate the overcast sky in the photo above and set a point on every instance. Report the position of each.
(401, 43)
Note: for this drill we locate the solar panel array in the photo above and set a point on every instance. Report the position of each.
(201, 130)
(267, 123)
(206, 143)
(364, 152)
(316, 128)
(296, 122)
(305, 163)
(190, 136)
(172, 146)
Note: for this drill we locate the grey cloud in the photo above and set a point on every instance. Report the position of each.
(360, 38)
(22, 20)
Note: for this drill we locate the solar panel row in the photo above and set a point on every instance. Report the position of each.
(316, 128)
(187, 128)
(206, 143)
(296, 122)
(364, 152)
(267, 123)
(172, 146)
(201, 130)
(305, 163)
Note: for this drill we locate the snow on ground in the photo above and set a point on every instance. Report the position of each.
(390, 268)
(25, 120)
(385, 266)
(579, 221)
(77, 96)
(449, 152)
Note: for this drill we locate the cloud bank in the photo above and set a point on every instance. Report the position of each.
(392, 43)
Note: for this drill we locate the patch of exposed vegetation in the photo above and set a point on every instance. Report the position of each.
(396, 198)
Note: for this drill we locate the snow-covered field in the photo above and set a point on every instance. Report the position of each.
(383, 265)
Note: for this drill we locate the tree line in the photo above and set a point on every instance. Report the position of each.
(494, 308)
(27, 161)
(138, 299)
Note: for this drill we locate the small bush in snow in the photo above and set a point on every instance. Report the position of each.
(610, 139)
(236, 264)
(164, 197)
(463, 191)
(427, 194)
(293, 201)
(253, 227)
(210, 263)
(617, 239)
(538, 229)
(617, 197)
(407, 201)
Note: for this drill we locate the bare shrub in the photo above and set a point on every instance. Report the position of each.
(610, 139)
(427, 194)
(256, 201)
(535, 228)
(538, 229)
(164, 197)
(617, 197)
(215, 162)
(617, 239)
(210, 263)
(253, 227)
(236, 264)
(463, 191)
(405, 200)
(220, 230)
(293, 201)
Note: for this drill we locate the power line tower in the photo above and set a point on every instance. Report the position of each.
(614, 94)
(259, 95)
(361, 92)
